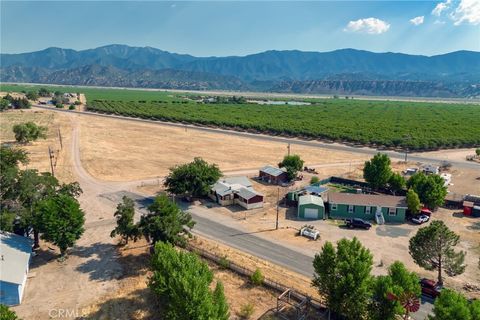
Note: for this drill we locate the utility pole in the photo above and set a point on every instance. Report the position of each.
(288, 148)
(51, 156)
(60, 139)
(278, 203)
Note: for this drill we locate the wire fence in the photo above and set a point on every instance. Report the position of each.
(268, 283)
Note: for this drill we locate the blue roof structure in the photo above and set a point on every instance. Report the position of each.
(315, 189)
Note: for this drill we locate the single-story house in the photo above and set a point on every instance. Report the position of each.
(310, 207)
(15, 254)
(367, 206)
(236, 190)
(471, 205)
(273, 175)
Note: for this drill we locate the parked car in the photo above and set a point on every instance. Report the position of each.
(420, 219)
(426, 211)
(357, 223)
(430, 288)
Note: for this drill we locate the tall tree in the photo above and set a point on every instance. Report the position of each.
(220, 302)
(451, 305)
(377, 171)
(413, 202)
(192, 179)
(432, 248)
(293, 164)
(396, 183)
(430, 189)
(125, 228)
(4, 104)
(60, 221)
(399, 281)
(182, 281)
(29, 131)
(343, 277)
(10, 159)
(166, 222)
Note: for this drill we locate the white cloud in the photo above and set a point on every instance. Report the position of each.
(417, 20)
(440, 7)
(368, 25)
(468, 11)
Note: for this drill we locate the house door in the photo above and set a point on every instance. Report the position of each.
(311, 213)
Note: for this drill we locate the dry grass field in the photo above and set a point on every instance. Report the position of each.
(38, 150)
(117, 150)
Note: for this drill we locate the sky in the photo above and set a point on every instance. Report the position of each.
(224, 28)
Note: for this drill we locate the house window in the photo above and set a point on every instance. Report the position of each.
(350, 209)
(368, 210)
(334, 206)
(392, 211)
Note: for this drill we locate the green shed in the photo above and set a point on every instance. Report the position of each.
(310, 207)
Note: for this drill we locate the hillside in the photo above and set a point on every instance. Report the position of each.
(345, 71)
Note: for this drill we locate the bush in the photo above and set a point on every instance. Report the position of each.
(224, 262)
(77, 103)
(257, 277)
(59, 106)
(314, 179)
(71, 107)
(246, 311)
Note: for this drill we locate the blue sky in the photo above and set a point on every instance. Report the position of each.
(238, 28)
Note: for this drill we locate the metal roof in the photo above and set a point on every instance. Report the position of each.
(367, 200)
(248, 193)
(15, 254)
(244, 181)
(273, 171)
(316, 189)
(310, 199)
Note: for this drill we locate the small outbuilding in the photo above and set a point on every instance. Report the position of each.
(471, 205)
(15, 256)
(273, 175)
(236, 190)
(310, 207)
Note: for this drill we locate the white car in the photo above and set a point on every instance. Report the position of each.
(420, 219)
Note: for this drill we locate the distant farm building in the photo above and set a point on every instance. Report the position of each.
(471, 205)
(382, 208)
(15, 254)
(310, 207)
(273, 175)
(236, 190)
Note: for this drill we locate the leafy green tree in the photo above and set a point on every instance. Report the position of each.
(4, 104)
(475, 309)
(181, 281)
(126, 228)
(396, 183)
(343, 277)
(29, 131)
(60, 220)
(413, 202)
(7, 314)
(43, 92)
(477, 151)
(451, 305)
(10, 159)
(377, 171)
(398, 281)
(220, 302)
(166, 222)
(430, 189)
(192, 179)
(19, 103)
(293, 164)
(32, 95)
(432, 248)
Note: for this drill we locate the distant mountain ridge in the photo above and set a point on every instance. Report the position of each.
(455, 74)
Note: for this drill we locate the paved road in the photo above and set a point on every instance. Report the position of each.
(294, 141)
(112, 192)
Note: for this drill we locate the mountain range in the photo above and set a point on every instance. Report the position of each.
(345, 71)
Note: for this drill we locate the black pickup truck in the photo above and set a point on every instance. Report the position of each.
(357, 223)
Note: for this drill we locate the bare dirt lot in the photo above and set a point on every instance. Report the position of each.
(116, 150)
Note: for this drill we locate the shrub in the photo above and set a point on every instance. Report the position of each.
(257, 277)
(59, 106)
(224, 262)
(246, 311)
(71, 107)
(314, 179)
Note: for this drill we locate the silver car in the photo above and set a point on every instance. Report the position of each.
(420, 219)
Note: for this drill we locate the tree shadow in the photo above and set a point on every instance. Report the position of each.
(42, 257)
(139, 304)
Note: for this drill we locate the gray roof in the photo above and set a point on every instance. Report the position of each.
(248, 193)
(273, 171)
(222, 188)
(367, 200)
(228, 185)
(244, 181)
(316, 189)
(310, 199)
(15, 254)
